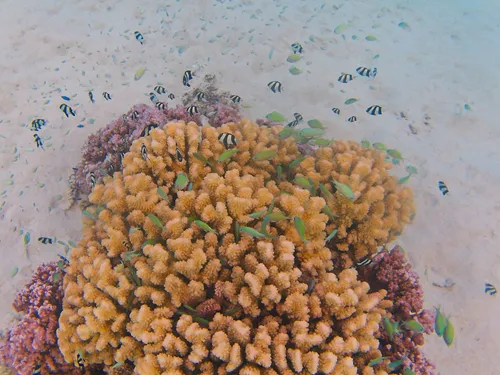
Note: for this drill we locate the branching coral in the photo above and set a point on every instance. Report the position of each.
(215, 275)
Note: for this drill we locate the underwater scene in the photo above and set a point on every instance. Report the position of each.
(249, 187)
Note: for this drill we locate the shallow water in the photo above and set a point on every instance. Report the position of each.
(427, 73)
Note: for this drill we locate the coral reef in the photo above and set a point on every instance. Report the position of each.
(193, 265)
(32, 344)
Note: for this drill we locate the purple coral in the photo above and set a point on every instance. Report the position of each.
(32, 343)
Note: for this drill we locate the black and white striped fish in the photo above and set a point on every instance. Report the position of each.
(38, 369)
(124, 117)
(160, 89)
(298, 116)
(171, 96)
(336, 111)
(106, 95)
(46, 240)
(365, 72)
(275, 86)
(79, 359)
(110, 169)
(228, 140)
(63, 259)
(135, 115)
(490, 289)
(91, 96)
(297, 48)
(292, 124)
(345, 77)
(188, 76)
(374, 110)
(139, 37)
(161, 106)
(443, 188)
(178, 155)
(365, 261)
(200, 95)
(235, 98)
(144, 152)
(153, 97)
(352, 119)
(93, 180)
(37, 124)
(192, 110)
(122, 155)
(67, 110)
(38, 141)
(148, 129)
(127, 245)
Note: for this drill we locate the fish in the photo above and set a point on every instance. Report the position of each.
(148, 129)
(178, 155)
(91, 96)
(275, 86)
(228, 140)
(161, 106)
(331, 235)
(192, 110)
(37, 124)
(122, 155)
(365, 72)
(92, 179)
(127, 245)
(153, 97)
(440, 322)
(135, 115)
(38, 141)
(374, 110)
(414, 326)
(449, 333)
(124, 118)
(235, 98)
(160, 89)
(292, 124)
(139, 37)
(490, 289)
(390, 327)
(336, 111)
(110, 169)
(374, 72)
(300, 227)
(200, 95)
(171, 96)
(79, 359)
(265, 155)
(106, 95)
(443, 188)
(37, 369)
(188, 76)
(345, 77)
(252, 232)
(204, 226)
(298, 116)
(46, 240)
(344, 190)
(67, 110)
(63, 259)
(181, 181)
(297, 48)
(144, 152)
(352, 119)
(364, 262)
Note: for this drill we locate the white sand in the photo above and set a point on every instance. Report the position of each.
(449, 57)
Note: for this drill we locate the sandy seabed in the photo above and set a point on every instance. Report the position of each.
(446, 58)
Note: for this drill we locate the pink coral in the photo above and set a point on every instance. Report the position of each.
(32, 342)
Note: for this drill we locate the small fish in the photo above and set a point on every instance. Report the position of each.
(344, 190)
(292, 124)
(153, 97)
(298, 116)
(67, 110)
(490, 289)
(414, 326)
(135, 115)
(46, 240)
(122, 155)
(390, 327)
(449, 333)
(127, 245)
(148, 129)
(275, 86)
(92, 179)
(37, 124)
(139, 37)
(300, 227)
(374, 110)
(188, 76)
(181, 181)
(63, 259)
(38, 141)
(200, 95)
(204, 226)
(336, 111)
(91, 96)
(192, 110)
(362, 71)
(38, 369)
(178, 155)
(79, 359)
(352, 119)
(252, 232)
(364, 262)
(235, 98)
(160, 89)
(265, 155)
(331, 235)
(345, 77)
(228, 140)
(297, 48)
(106, 95)
(171, 96)
(440, 322)
(144, 152)
(374, 72)
(443, 188)
(161, 106)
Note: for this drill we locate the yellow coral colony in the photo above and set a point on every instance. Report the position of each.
(174, 281)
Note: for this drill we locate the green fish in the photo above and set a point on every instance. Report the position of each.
(117, 364)
(303, 182)
(56, 277)
(227, 155)
(350, 101)
(407, 371)
(390, 327)
(89, 214)
(204, 226)
(440, 322)
(411, 169)
(279, 172)
(265, 155)
(236, 232)
(181, 181)
(328, 211)
(300, 138)
(286, 132)
(263, 227)
(252, 232)
(315, 124)
(379, 146)
(394, 365)
(202, 158)
(326, 193)
(414, 326)
(331, 235)
(276, 117)
(300, 227)
(256, 215)
(296, 162)
(276, 216)
(365, 144)
(155, 220)
(311, 132)
(404, 179)
(322, 142)
(344, 190)
(376, 361)
(449, 333)
(395, 154)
